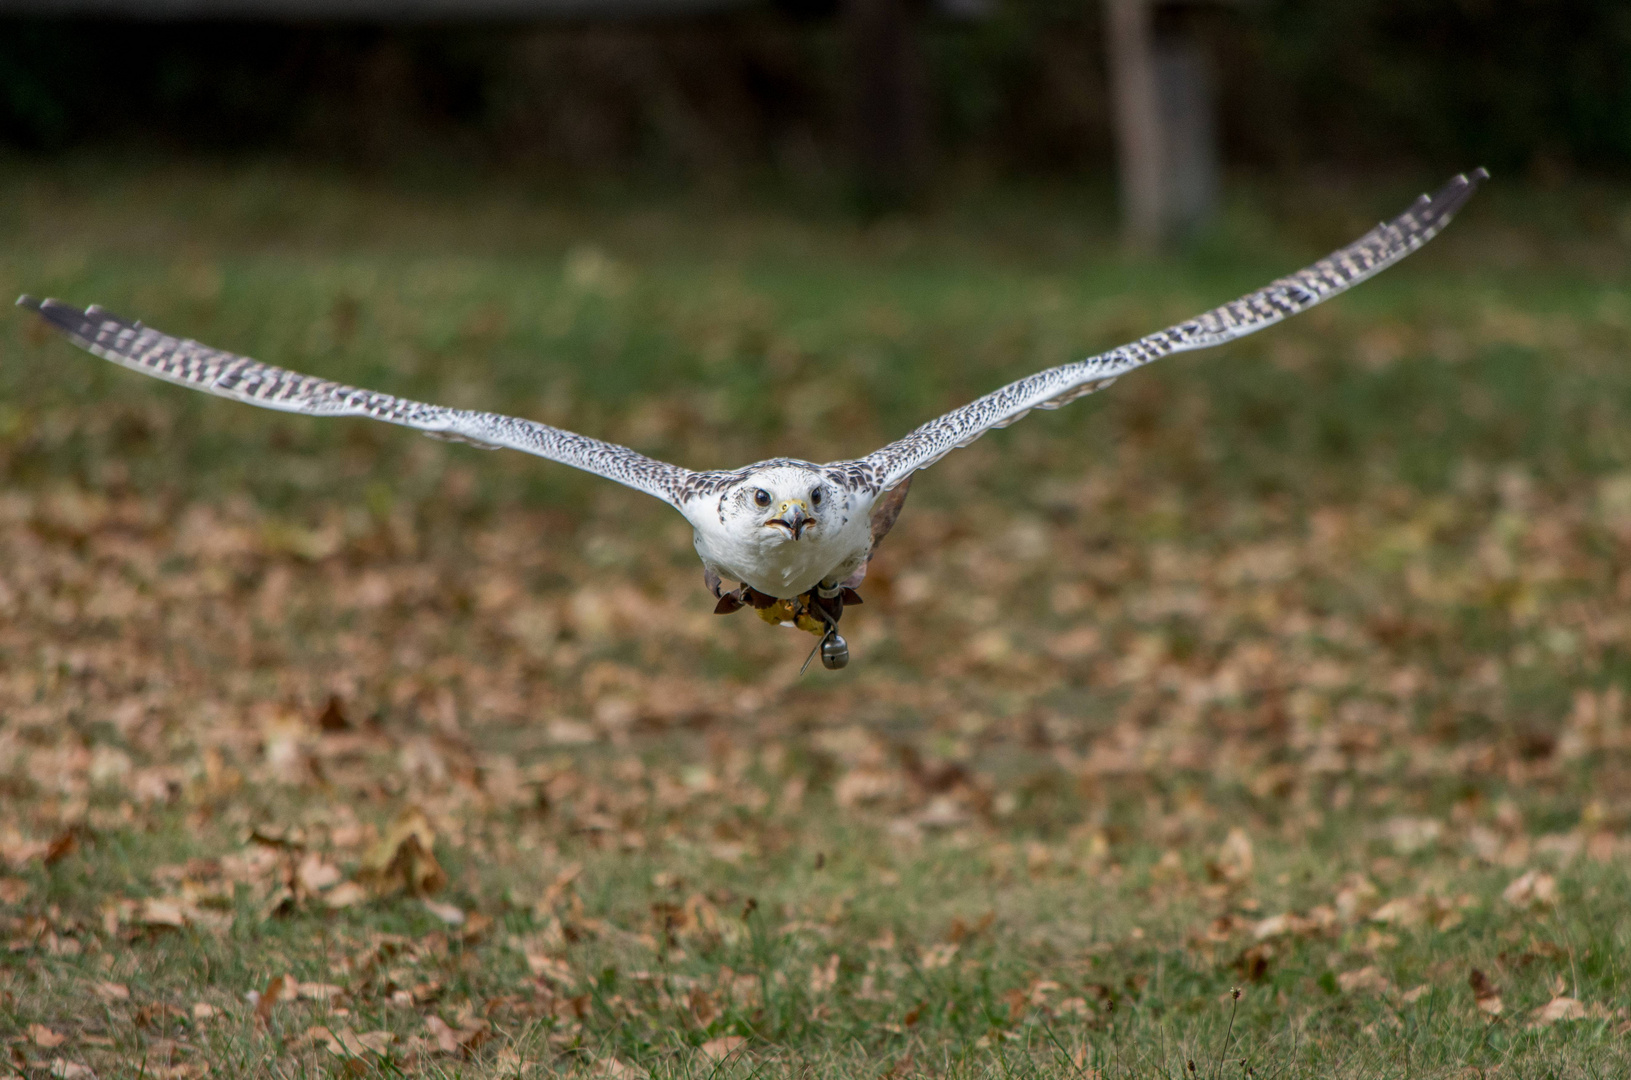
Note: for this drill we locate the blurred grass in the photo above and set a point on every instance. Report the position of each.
(1361, 572)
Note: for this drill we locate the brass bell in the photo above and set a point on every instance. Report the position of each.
(834, 652)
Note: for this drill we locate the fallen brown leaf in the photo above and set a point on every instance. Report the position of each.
(476, 926)
(333, 717)
(722, 1047)
(451, 914)
(290, 837)
(158, 1014)
(17, 851)
(558, 889)
(1401, 911)
(1356, 898)
(314, 874)
(309, 991)
(112, 991)
(447, 1040)
(1559, 1008)
(44, 1037)
(1485, 993)
(824, 976)
(460, 1040)
(344, 895)
(278, 988)
(1235, 859)
(62, 845)
(161, 914)
(1532, 889)
(181, 1070)
(1410, 835)
(280, 901)
(548, 967)
(509, 1063)
(347, 1043)
(404, 858)
(1366, 980)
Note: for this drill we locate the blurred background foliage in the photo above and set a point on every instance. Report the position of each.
(1541, 86)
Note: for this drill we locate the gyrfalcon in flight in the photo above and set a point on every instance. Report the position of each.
(795, 536)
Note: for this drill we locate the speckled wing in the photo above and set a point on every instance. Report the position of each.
(143, 349)
(1369, 255)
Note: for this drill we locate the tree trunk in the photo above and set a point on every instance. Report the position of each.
(1166, 132)
(1137, 111)
(1189, 150)
(888, 121)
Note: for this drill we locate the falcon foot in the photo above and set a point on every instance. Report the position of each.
(815, 612)
(811, 612)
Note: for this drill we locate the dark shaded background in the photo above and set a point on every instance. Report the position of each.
(1539, 86)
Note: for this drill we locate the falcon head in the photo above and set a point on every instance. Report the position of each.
(783, 504)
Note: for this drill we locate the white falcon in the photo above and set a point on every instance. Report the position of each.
(794, 535)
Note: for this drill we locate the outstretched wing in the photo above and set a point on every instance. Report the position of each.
(141, 348)
(1370, 254)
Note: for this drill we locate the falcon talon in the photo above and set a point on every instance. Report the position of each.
(796, 535)
(807, 612)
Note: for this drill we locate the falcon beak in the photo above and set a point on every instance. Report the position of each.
(794, 517)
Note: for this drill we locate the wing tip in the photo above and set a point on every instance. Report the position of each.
(49, 305)
(1453, 195)
(64, 317)
(77, 323)
(1464, 184)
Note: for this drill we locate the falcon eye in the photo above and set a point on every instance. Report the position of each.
(815, 496)
(762, 497)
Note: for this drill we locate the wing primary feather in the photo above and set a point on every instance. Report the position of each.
(191, 364)
(1341, 270)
